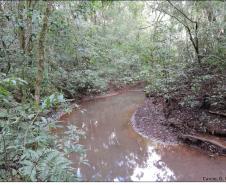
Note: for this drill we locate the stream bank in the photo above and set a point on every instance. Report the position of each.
(112, 90)
(156, 122)
(115, 152)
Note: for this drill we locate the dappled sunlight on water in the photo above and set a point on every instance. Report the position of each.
(116, 153)
(154, 169)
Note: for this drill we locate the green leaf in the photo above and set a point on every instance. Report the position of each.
(3, 91)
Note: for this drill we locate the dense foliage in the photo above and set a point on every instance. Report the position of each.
(53, 51)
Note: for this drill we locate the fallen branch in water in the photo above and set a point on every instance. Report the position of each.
(197, 139)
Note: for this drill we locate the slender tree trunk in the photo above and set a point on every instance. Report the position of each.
(30, 7)
(21, 31)
(224, 32)
(2, 21)
(199, 58)
(194, 39)
(224, 24)
(3, 44)
(41, 53)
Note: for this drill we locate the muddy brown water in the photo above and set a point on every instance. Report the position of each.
(117, 153)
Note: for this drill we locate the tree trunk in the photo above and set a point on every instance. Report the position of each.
(194, 39)
(30, 7)
(21, 31)
(3, 46)
(41, 53)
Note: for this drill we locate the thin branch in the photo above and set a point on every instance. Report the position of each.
(181, 12)
(172, 16)
(180, 21)
(145, 27)
(193, 40)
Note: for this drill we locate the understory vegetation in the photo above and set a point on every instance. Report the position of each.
(53, 52)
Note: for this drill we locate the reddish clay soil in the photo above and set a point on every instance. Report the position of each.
(154, 121)
(149, 121)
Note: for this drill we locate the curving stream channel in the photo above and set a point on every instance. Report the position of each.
(116, 153)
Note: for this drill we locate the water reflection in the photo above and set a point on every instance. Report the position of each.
(154, 169)
(116, 153)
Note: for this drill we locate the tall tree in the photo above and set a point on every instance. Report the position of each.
(30, 9)
(190, 25)
(41, 52)
(21, 31)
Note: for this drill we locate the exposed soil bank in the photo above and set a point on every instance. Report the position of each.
(150, 122)
(167, 125)
(115, 152)
(153, 120)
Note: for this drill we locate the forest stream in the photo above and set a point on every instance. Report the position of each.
(112, 90)
(115, 152)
